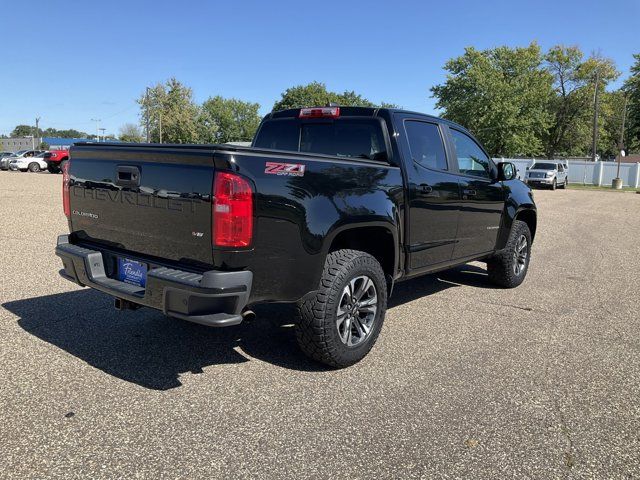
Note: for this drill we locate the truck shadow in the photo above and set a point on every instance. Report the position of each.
(151, 350)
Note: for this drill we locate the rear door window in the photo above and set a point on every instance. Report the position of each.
(425, 143)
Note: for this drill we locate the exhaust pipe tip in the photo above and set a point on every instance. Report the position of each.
(248, 315)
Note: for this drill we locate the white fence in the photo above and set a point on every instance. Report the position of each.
(594, 173)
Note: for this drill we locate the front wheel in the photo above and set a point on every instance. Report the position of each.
(509, 266)
(554, 185)
(341, 323)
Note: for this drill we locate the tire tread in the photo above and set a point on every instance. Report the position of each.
(312, 328)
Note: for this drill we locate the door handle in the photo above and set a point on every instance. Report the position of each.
(424, 188)
(469, 193)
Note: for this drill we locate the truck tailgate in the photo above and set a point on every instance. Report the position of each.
(150, 200)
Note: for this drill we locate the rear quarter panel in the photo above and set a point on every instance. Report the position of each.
(298, 216)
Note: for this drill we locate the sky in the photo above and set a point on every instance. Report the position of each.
(83, 60)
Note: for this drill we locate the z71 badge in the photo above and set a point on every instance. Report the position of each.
(294, 169)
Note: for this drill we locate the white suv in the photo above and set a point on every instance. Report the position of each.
(35, 163)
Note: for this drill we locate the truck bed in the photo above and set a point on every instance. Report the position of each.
(165, 215)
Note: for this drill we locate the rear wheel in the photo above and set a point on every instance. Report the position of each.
(34, 167)
(341, 323)
(508, 268)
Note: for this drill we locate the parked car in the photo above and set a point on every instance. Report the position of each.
(33, 163)
(5, 159)
(4, 163)
(56, 160)
(329, 208)
(547, 173)
(3, 156)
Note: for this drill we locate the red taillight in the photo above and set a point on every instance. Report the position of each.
(321, 112)
(232, 213)
(65, 189)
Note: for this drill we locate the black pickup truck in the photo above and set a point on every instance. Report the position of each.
(328, 208)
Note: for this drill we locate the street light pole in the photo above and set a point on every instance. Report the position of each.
(97, 120)
(103, 137)
(146, 101)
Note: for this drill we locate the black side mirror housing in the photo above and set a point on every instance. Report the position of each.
(506, 171)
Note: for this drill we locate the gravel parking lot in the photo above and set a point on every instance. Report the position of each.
(466, 380)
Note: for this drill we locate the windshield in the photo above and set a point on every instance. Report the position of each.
(544, 166)
(344, 137)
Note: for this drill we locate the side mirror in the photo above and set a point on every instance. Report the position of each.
(506, 171)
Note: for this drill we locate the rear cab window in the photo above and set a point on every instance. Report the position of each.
(346, 137)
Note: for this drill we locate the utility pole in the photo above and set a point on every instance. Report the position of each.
(617, 182)
(37, 128)
(594, 146)
(160, 125)
(146, 101)
(102, 130)
(97, 120)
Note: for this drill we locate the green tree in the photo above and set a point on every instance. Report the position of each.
(23, 131)
(610, 123)
(315, 94)
(130, 132)
(69, 133)
(171, 111)
(572, 104)
(501, 95)
(632, 89)
(224, 120)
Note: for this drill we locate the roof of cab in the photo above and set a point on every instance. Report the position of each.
(361, 112)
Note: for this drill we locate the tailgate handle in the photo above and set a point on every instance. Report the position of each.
(127, 176)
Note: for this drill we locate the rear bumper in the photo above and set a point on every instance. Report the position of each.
(213, 298)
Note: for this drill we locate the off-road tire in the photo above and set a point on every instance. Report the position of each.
(501, 266)
(316, 329)
(33, 167)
